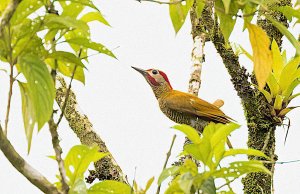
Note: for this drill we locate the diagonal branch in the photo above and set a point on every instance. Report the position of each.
(106, 168)
(35, 177)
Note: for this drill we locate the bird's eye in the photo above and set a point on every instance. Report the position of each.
(154, 72)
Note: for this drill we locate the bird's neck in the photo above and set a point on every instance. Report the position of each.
(161, 90)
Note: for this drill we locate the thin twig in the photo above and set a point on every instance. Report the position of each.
(54, 126)
(167, 159)
(11, 82)
(161, 2)
(275, 162)
(58, 152)
(227, 183)
(67, 95)
(35, 177)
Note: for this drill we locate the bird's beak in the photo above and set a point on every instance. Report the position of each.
(143, 72)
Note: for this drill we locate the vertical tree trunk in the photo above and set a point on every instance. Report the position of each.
(261, 125)
(261, 133)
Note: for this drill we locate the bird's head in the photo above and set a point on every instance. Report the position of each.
(157, 79)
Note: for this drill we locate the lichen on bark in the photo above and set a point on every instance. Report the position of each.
(106, 168)
(261, 125)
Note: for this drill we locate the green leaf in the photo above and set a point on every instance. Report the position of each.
(223, 132)
(174, 188)
(29, 119)
(239, 168)
(88, 3)
(289, 12)
(167, 173)
(277, 65)
(79, 187)
(267, 95)
(226, 4)
(53, 21)
(284, 111)
(189, 166)
(273, 85)
(249, 152)
(249, 12)
(84, 42)
(189, 131)
(293, 96)
(40, 86)
(178, 13)
(288, 92)
(227, 21)
(67, 69)
(94, 16)
(72, 9)
(37, 94)
(208, 186)
(289, 74)
(3, 5)
(149, 183)
(78, 160)
(110, 187)
(278, 102)
(24, 9)
(66, 57)
(262, 56)
(286, 32)
(185, 182)
(199, 7)
(200, 152)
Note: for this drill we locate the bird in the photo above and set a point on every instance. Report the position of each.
(181, 107)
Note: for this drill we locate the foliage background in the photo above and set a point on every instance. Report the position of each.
(122, 107)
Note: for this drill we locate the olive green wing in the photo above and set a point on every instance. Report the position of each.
(189, 104)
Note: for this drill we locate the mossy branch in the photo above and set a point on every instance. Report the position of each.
(106, 168)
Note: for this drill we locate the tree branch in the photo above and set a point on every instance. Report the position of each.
(24, 168)
(106, 168)
(58, 151)
(167, 159)
(8, 13)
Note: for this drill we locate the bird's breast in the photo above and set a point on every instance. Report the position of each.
(182, 118)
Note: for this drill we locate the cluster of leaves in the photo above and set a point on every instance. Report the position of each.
(77, 162)
(209, 151)
(227, 12)
(28, 43)
(285, 76)
(282, 76)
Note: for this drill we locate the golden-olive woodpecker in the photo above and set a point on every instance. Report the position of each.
(182, 107)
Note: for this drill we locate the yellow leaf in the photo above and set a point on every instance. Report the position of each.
(273, 85)
(278, 102)
(262, 55)
(277, 60)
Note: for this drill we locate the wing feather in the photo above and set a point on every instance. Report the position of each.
(190, 104)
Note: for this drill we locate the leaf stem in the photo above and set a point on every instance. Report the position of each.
(167, 159)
